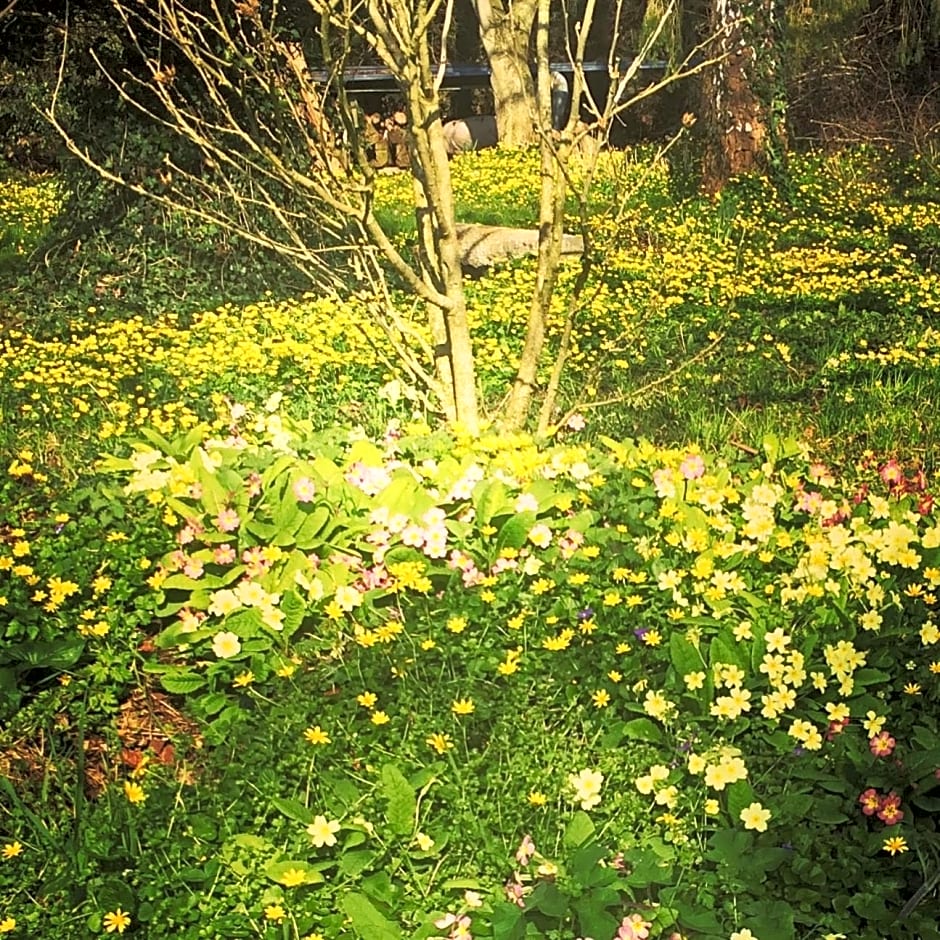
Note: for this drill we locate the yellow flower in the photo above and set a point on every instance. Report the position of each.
(439, 742)
(537, 798)
(275, 912)
(134, 792)
(243, 679)
(316, 735)
(380, 718)
(293, 877)
(7, 925)
(895, 844)
(462, 706)
(116, 921)
(457, 624)
(322, 831)
(12, 849)
(694, 680)
(755, 817)
(873, 723)
(600, 698)
(425, 842)
(367, 699)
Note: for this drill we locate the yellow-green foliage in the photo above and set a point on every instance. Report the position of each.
(139, 372)
(668, 278)
(27, 204)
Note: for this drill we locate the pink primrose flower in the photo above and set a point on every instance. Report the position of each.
(882, 744)
(693, 467)
(890, 812)
(227, 520)
(634, 927)
(304, 490)
(525, 851)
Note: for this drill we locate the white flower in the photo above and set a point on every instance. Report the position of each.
(587, 787)
(225, 645)
(322, 831)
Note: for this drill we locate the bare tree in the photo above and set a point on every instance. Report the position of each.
(282, 162)
(505, 31)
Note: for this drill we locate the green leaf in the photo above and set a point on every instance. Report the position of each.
(182, 682)
(722, 650)
(507, 922)
(829, 811)
(292, 809)
(405, 495)
(402, 803)
(578, 830)
(490, 498)
(50, 654)
(548, 899)
(699, 920)
(740, 797)
(593, 920)
(642, 729)
(352, 864)
(515, 530)
(585, 867)
(294, 610)
(367, 921)
(310, 533)
(684, 656)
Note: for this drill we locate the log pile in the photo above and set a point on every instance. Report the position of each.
(386, 141)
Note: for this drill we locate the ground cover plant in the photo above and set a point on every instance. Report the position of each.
(282, 659)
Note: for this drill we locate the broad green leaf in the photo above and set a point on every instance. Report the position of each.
(584, 863)
(684, 656)
(402, 803)
(311, 532)
(548, 899)
(294, 610)
(182, 682)
(352, 864)
(490, 498)
(51, 654)
(722, 650)
(740, 796)
(579, 830)
(515, 530)
(593, 919)
(292, 809)
(405, 495)
(642, 729)
(366, 919)
(507, 922)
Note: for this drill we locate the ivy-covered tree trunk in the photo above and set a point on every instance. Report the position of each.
(743, 103)
(505, 31)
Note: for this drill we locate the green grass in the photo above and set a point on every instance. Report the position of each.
(597, 605)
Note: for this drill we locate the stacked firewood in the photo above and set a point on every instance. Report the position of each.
(386, 140)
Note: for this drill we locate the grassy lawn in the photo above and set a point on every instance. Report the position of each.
(281, 657)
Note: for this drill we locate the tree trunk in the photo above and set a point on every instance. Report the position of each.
(742, 105)
(505, 30)
(554, 158)
(440, 259)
